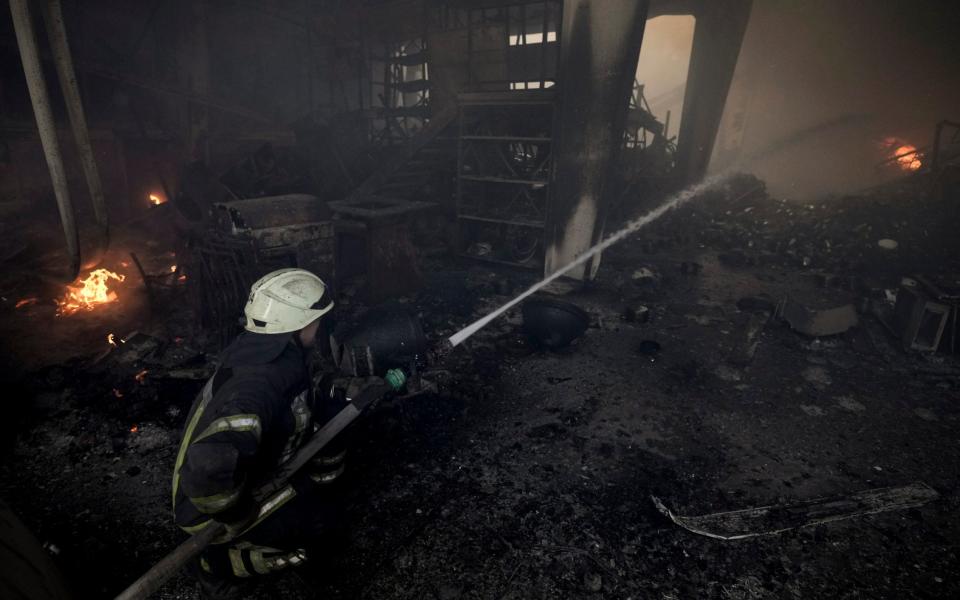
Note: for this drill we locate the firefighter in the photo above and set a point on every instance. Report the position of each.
(253, 414)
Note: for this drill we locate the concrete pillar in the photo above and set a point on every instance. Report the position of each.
(716, 45)
(599, 48)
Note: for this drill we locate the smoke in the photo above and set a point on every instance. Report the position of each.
(663, 64)
(821, 83)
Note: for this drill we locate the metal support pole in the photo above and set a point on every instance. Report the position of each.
(30, 57)
(57, 33)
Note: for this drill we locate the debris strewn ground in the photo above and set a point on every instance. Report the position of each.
(529, 473)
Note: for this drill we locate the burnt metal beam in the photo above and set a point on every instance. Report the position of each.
(599, 52)
(40, 97)
(62, 58)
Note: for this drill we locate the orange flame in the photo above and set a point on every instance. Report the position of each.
(905, 156)
(908, 158)
(89, 292)
(26, 302)
(156, 200)
(141, 376)
(110, 339)
(134, 429)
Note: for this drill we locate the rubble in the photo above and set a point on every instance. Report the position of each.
(649, 348)
(888, 244)
(636, 314)
(819, 377)
(817, 323)
(850, 404)
(760, 303)
(772, 520)
(644, 276)
(918, 320)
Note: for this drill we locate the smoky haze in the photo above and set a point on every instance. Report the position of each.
(821, 84)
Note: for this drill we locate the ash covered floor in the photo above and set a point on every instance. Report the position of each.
(530, 474)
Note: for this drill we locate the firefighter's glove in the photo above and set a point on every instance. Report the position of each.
(396, 378)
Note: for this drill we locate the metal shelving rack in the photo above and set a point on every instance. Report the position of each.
(504, 169)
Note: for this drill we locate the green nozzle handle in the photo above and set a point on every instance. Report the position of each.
(396, 378)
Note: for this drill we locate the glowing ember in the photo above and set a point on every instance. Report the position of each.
(156, 200)
(89, 292)
(110, 339)
(26, 302)
(173, 268)
(141, 376)
(134, 429)
(908, 158)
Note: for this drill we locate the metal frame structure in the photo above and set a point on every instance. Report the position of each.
(404, 92)
(947, 134)
(516, 39)
(504, 169)
(220, 271)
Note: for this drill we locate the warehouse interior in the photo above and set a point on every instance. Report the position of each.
(681, 280)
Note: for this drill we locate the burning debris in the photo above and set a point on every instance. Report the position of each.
(89, 293)
(26, 302)
(904, 156)
(156, 200)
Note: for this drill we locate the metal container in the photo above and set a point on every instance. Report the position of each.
(384, 338)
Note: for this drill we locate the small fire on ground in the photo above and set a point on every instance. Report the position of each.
(156, 200)
(88, 293)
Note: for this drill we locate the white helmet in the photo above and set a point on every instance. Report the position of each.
(285, 301)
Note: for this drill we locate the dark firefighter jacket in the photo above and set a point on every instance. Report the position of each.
(251, 416)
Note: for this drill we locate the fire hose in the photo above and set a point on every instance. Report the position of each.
(150, 582)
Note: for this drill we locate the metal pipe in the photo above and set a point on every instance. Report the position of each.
(57, 33)
(30, 57)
